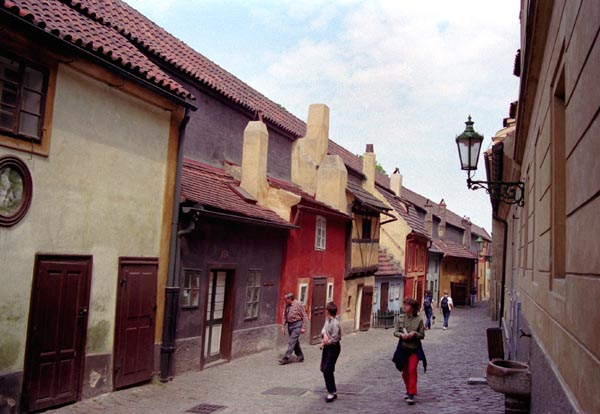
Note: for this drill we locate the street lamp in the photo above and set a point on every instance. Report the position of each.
(469, 145)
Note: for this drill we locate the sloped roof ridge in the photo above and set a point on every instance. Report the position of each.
(142, 31)
(98, 39)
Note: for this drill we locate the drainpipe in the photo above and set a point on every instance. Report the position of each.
(504, 242)
(172, 289)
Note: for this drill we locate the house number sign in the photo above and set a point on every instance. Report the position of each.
(15, 190)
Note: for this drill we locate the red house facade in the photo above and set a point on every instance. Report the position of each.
(314, 260)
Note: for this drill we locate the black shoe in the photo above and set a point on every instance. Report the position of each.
(410, 400)
(300, 359)
(284, 361)
(330, 398)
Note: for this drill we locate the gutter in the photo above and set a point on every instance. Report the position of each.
(167, 347)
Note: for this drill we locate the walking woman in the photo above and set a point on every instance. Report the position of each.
(331, 334)
(410, 329)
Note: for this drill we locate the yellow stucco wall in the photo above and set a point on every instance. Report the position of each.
(99, 192)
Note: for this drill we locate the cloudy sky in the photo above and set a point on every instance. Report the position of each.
(400, 74)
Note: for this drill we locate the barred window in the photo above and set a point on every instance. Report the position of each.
(23, 91)
(253, 294)
(190, 292)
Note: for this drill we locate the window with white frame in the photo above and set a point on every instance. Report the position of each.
(190, 291)
(252, 294)
(320, 233)
(329, 292)
(303, 293)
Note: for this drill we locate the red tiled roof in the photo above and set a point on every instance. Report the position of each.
(386, 267)
(365, 197)
(69, 24)
(157, 41)
(214, 188)
(409, 215)
(453, 249)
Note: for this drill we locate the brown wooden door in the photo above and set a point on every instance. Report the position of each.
(385, 292)
(134, 332)
(366, 307)
(458, 293)
(420, 288)
(57, 331)
(317, 313)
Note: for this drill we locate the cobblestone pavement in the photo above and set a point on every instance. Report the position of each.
(367, 380)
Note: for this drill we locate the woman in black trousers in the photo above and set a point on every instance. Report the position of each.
(331, 334)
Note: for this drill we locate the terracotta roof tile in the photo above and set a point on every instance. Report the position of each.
(387, 267)
(409, 215)
(69, 24)
(214, 188)
(364, 196)
(157, 41)
(454, 249)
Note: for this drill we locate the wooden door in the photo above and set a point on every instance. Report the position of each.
(366, 307)
(218, 317)
(459, 293)
(317, 313)
(57, 331)
(420, 289)
(135, 321)
(385, 292)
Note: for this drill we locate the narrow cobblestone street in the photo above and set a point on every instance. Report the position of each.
(367, 380)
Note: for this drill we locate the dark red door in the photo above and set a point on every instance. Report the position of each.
(134, 331)
(317, 312)
(366, 307)
(385, 291)
(57, 329)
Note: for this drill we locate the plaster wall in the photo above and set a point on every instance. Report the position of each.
(99, 193)
(553, 303)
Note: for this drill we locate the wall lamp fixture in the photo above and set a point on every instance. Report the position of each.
(469, 146)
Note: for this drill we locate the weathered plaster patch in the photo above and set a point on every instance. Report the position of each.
(9, 352)
(95, 377)
(97, 338)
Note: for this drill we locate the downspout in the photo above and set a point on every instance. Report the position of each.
(172, 289)
(504, 242)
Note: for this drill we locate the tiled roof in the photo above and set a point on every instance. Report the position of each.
(409, 215)
(453, 249)
(306, 198)
(68, 23)
(350, 160)
(386, 267)
(364, 196)
(214, 188)
(155, 40)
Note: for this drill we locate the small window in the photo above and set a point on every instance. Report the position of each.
(190, 292)
(320, 233)
(366, 228)
(303, 293)
(253, 294)
(392, 292)
(397, 297)
(330, 292)
(375, 292)
(22, 98)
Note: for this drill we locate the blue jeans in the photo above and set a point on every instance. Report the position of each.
(473, 299)
(294, 342)
(428, 314)
(446, 317)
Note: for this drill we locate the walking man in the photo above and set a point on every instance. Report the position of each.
(446, 306)
(295, 317)
(473, 295)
